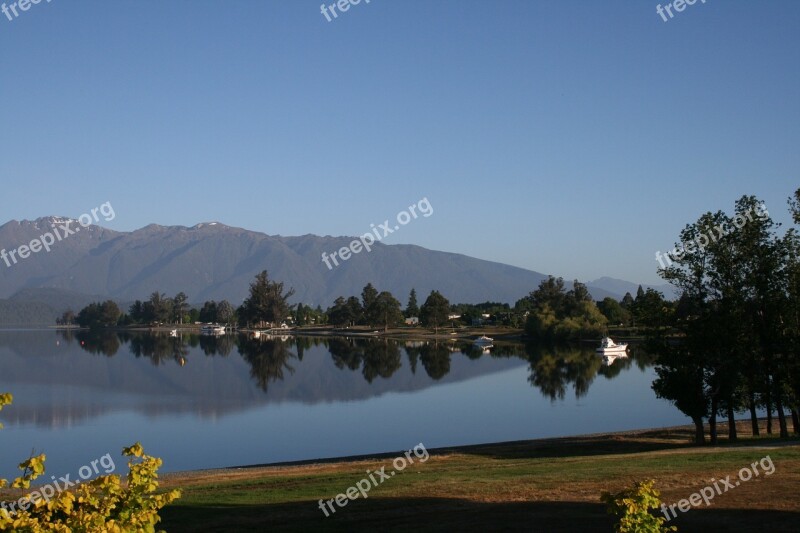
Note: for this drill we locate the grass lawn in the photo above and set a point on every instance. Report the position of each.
(544, 485)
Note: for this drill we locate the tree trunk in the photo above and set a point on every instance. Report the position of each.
(712, 420)
(796, 422)
(699, 433)
(753, 415)
(781, 417)
(768, 407)
(731, 423)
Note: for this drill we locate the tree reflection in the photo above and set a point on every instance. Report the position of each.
(345, 353)
(435, 359)
(375, 357)
(98, 342)
(267, 359)
(159, 348)
(216, 344)
(553, 368)
(413, 350)
(381, 358)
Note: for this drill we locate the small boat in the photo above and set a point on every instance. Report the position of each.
(173, 333)
(483, 340)
(212, 329)
(609, 348)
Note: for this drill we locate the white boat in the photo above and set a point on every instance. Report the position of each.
(212, 329)
(483, 340)
(173, 333)
(609, 348)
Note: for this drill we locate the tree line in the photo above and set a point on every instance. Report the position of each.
(730, 343)
(549, 312)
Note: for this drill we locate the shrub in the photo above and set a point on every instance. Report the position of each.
(103, 504)
(633, 507)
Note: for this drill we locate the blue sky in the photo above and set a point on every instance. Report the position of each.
(568, 137)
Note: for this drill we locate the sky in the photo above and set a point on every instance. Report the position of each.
(574, 138)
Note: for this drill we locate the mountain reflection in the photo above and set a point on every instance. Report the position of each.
(193, 373)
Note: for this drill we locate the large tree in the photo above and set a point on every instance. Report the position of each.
(555, 313)
(345, 312)
(412, 309)
(97, 315)
(386, 310)
(180, 307)
(732, 275)
(267, 302)
(434, 311)
(225, 312)
(368, 296)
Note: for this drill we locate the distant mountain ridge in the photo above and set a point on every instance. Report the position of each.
(215, 261)
(618, 286)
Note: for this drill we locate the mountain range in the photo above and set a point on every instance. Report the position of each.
(212, 261)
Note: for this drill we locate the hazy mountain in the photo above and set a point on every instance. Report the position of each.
(619, 287)
(215, 261)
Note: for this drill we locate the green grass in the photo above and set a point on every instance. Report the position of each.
(534, 485)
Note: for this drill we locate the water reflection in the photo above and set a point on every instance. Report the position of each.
(268, 369)
(553, 368)
(267, 357)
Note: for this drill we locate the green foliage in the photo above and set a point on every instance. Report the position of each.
(412, 309)
(368, 296)
(385, 310)
(614, 311)
(434, 311)
(737, 320)
(633, 507)
(267, 302)
(97, 315)
(103, 504)
(558, 314)
(346, 312)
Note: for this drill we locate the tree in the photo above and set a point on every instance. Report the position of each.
(434, 311)
(138, 312)
(179, 307)
(733, 316)
(412, 309)
(368, 296)
(558, 314)
(627, 301)
(386, 310)
(160, 307)
(208, 313)
(300, 315)
(345, 312)
(98, 315)
(614, 312)
(225, 312)
(267, 301)
(67, 318)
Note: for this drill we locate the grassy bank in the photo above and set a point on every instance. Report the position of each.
(545, 485)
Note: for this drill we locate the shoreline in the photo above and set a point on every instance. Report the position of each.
(581, 440)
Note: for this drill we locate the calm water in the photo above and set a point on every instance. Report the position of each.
(202, 402)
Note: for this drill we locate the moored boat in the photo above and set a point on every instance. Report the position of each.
(609, 348)
(483, 340)
(212, 329)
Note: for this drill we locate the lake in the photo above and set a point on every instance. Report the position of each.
(204, 402)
